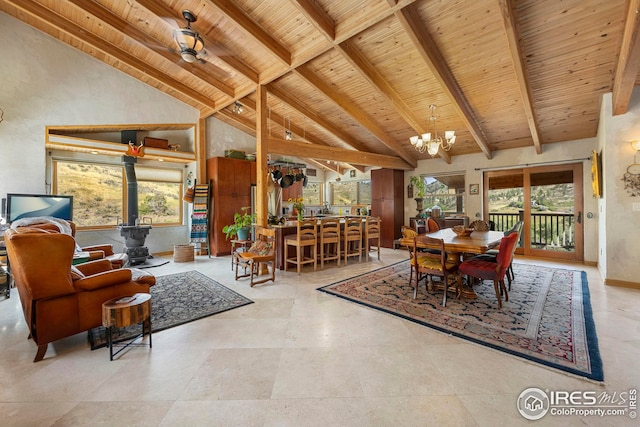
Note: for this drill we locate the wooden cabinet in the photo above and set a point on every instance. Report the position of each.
(231, 190)
(292, 192)
(387, 202)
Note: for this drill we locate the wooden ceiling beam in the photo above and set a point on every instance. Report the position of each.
(358, 115)
(303, 149)
(319, 164)
(317, 16)
(426, 46)
(62, 24)
(375, 79)
(510, 24)
(160, 9)
(251, 28)
(319, 120)
(199, 70)
(241, 122)
(628, 59)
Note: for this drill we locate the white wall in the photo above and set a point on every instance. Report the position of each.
(54, 84)
(620, 224)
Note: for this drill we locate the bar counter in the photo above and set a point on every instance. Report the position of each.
(291, 227)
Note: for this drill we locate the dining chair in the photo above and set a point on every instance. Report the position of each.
(329, 235)
(409, 233)
(432, 225)
(491, 254)
(372, 233)
(488, 270)
(352, 239)
(428, 264)
(262, 252)
(306, 237)
(479, 225)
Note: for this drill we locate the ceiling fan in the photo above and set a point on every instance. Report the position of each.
(189, 41)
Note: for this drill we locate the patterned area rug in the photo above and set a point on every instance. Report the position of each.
(177, 299)
(547, 319)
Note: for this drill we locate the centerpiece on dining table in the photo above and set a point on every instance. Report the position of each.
(298, 206)
(462, 231)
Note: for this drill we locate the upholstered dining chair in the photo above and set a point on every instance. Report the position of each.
(261, 252)
(428, 264)
(432, 225)
(409, 233)
(491, 254)
(487, 270)
(306, 237)
(329, 235)
(372, 235)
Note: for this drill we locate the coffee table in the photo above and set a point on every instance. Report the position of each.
(126, 311)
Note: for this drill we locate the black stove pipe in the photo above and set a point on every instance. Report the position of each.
(132, 189)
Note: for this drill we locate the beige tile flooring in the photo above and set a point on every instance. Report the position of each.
(299, 357)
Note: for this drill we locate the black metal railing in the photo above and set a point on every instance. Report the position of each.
(552, 231)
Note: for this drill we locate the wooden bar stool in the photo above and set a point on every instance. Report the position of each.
(305, 237)
(372, 232)
(329, 234)
(352, 238)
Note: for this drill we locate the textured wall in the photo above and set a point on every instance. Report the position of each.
(54, 84)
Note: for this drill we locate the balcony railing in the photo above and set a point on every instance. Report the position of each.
(551, 231)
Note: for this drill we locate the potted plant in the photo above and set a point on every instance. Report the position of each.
(241, 226)
(420, 190)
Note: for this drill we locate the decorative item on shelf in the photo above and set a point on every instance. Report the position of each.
(419, 190)
(432, 143)
(135, 150)
(462, 231)
(241, 226)
(298, 205)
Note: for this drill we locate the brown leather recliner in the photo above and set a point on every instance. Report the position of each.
(59, 300)
(118, 260)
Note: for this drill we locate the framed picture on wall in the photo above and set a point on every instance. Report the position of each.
(596, 174)
(352, 173)
(474, 188)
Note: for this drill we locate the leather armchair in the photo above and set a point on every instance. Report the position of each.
(104, 251)
(58, 299)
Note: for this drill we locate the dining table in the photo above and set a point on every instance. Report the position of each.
(477, 242)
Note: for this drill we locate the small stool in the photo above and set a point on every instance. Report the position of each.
(126, 311)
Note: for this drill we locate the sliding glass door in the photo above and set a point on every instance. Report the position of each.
(549, 201)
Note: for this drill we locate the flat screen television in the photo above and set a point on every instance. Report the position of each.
(33, 205)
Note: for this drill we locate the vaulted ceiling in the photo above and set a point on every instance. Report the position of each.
(353, 79)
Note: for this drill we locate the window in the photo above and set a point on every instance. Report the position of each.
(446, 191)
(99, 193)
(312, 194)
(351, 193)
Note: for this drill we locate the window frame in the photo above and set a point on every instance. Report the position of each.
(124, 188)
(460, 195)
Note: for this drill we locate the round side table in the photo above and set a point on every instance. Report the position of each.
(126, 311)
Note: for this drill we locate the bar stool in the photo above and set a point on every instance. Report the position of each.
(306, 236)
(329, 234)
(372, 232)
(352, 238)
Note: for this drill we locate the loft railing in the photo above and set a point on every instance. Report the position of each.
(552, 231)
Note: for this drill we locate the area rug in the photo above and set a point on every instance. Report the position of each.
(547, 319)
(177, 299)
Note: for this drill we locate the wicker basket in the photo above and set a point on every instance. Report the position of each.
(183, 253)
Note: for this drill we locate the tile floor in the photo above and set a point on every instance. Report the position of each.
(299, 357)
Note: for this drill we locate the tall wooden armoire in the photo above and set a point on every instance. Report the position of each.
(231, 190)
(387, 202)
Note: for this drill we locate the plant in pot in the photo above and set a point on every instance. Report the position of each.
(241, 226)
(420, 190)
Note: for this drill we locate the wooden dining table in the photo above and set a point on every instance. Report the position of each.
(477, 242)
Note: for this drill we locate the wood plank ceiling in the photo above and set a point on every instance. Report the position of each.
(353, 79)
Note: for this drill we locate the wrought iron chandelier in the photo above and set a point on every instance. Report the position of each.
(431, 143)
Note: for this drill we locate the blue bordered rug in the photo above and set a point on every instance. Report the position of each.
(547, 319)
